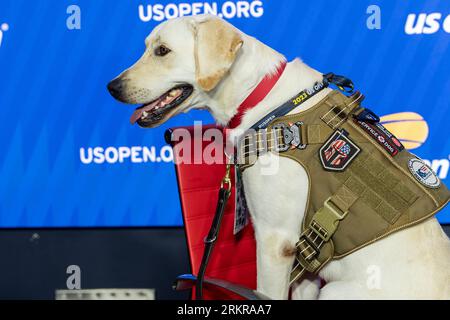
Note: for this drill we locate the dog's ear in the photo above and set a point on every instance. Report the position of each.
(216, 47)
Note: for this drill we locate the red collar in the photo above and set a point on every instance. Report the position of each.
(257, 95)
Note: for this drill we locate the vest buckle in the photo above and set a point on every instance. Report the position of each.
(291, 136)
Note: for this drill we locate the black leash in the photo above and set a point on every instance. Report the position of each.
(210, 240)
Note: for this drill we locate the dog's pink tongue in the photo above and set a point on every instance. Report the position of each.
(137, 114)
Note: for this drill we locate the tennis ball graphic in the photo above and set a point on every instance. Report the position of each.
(409, 127)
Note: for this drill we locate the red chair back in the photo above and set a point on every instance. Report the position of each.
(234, 257)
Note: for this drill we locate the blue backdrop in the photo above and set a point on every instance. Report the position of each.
(54, 105)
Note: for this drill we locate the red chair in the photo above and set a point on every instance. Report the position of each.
(231, 272)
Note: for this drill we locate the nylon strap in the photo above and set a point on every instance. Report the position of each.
(343, 83)
(320, 230)
(290, 105)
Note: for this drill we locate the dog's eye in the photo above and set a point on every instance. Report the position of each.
(162, 51)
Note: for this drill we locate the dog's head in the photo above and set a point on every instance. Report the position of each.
(184, 59)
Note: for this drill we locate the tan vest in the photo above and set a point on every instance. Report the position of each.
(363, 185)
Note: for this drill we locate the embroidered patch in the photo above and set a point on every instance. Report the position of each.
(423, 173)
(241, 210)
(382, 136)
(337, 153)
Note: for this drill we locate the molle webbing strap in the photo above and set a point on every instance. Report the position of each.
(344, 198)
(340, 107)
(378, 188)
(308, 248)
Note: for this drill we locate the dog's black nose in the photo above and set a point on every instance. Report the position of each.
(115, 88)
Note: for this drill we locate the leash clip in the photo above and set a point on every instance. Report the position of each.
(226, 178)
(343, 83)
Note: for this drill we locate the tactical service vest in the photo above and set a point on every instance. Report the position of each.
(363, 184)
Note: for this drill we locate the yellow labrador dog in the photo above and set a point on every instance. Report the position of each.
(202, 61)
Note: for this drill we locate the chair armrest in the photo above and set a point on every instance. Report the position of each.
(188, 281)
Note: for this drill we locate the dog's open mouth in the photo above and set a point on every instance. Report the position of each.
(153, 112)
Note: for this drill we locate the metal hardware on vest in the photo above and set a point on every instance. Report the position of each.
(224, 195)
(291, 136)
